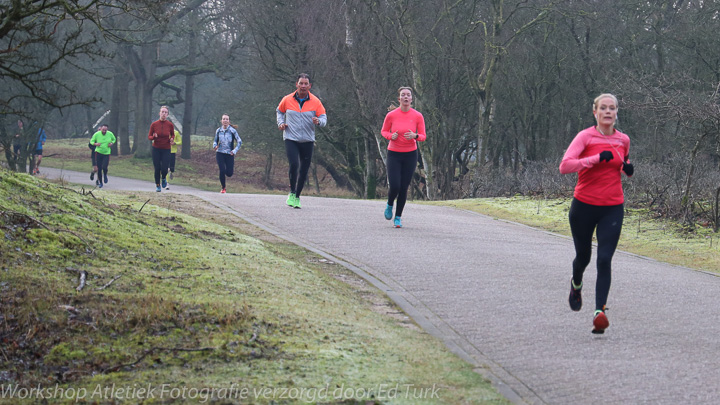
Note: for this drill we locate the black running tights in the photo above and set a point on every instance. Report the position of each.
(400, 169)
(102, 163)
(584, 220)
(299, 155)
(161, 160)
(226, 164)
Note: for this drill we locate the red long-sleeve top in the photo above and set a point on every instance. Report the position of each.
(401, 122)
(599, 183)
(165, 131)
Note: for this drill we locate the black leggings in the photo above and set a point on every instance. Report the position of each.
(161, 159)
(226, 164)
(400, 169)
(299, 155)
(171, 167)
(102, 162)
(584, 219)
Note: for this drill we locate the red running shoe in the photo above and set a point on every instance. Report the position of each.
(600, 322)
(222, 191)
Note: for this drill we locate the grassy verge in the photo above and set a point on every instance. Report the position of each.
(180, 309)
(642, 234)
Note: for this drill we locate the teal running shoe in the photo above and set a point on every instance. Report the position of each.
(158, 189)
(164, 183)
(388, 212)
(397, 223)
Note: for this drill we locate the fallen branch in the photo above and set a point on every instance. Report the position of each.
(83, 277)
(151, 351)
(79, 237)
(183, 277)
(108, 284)
(27, 217)
(143, 206)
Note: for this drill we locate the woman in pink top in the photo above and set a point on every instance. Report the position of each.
(598, 154)
(403, 127)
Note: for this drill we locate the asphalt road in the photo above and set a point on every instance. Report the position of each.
(496, 293)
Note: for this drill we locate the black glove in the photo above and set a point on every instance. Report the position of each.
(606, 155)
(628, 168)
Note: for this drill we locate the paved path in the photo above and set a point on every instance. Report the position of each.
(496, 294)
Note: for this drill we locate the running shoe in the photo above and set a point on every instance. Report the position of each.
(106, 179)
(171, 176)
(158, 189)
(297, 203)
(600, 321)
(164, 183)
(100, 185)
(291, 200)
(222, 191)
(397, 223)
(92, 176)
(575, 297)
(388, 212)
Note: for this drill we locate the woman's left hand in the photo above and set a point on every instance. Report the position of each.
(409, 135)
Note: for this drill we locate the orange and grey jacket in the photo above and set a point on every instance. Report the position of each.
(300, 127)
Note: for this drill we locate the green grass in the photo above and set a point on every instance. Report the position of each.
(642, 234)
(175, 302)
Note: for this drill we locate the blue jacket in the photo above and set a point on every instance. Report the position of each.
(41, 138)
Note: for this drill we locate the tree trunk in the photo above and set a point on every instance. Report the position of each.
(143, 68)
(370, 170)
(189, 88)
(267, 177)
(685, 202)
(119, 118)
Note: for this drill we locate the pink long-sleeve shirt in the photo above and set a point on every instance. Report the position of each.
(599, 183)
(401, 122)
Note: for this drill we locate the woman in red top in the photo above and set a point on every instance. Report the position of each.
(162, 135)
(404, 127)
(598, 154)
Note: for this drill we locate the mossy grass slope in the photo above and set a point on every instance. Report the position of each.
(180, 302)
(643, 233)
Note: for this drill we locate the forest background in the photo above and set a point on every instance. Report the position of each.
(504, 85)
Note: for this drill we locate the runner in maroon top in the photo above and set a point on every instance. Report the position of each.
(162, 134)
(598, 154)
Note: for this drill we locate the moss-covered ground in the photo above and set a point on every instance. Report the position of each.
(114, 300)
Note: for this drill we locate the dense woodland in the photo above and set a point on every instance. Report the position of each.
(504, 85)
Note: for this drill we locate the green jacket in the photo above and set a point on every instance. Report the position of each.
(104, 139)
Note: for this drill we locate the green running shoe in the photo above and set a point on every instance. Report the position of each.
(290, 200)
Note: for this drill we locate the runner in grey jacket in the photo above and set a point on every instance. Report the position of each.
(223, 145)
(297, 116)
